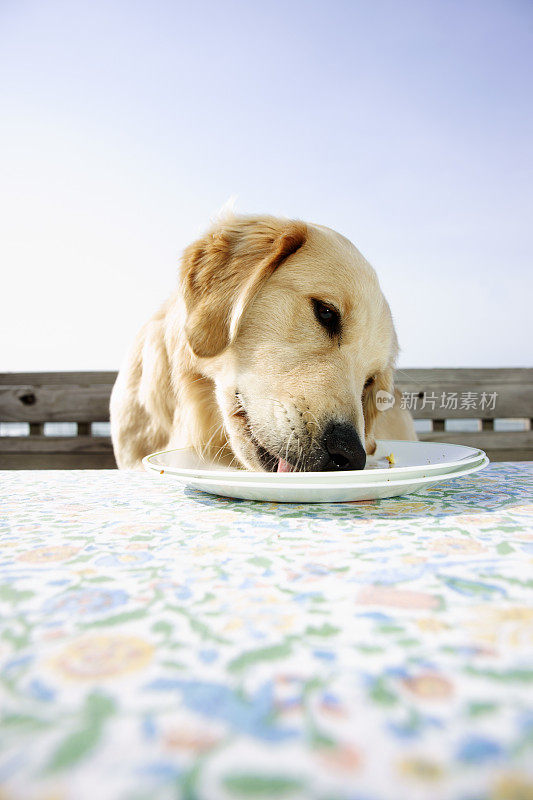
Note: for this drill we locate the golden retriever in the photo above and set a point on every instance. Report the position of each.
(277, 349)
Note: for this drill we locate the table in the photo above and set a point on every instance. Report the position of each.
(158, 642)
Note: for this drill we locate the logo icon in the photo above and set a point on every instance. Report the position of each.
(384, 400)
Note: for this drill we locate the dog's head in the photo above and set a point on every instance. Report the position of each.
(290, 323)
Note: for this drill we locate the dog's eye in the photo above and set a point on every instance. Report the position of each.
(369, 382)
(327, 316)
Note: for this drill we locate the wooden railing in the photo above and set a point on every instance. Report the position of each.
(488, 397)
(43, 397)
(437, 395)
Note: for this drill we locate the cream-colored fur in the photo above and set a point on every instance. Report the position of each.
(236, 359)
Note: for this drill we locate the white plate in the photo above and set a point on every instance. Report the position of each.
(343, 489)
(412, 459)
(324, 493)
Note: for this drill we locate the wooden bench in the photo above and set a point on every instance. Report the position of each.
(439, 396)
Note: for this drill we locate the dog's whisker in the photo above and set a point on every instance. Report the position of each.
(287, 448)
(207, 444)
(314, 418)
(202, 450)
(220, 449)
(198, 380)
(213, 458)
(217, 430)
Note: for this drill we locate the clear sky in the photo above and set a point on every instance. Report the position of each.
(125, 125)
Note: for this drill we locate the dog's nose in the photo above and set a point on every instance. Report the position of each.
(344, 447)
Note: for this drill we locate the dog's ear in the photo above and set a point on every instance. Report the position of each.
(384, 383)
(222, 272)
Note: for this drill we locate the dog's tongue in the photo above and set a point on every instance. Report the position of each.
(283, 466)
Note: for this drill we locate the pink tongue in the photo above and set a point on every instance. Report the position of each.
(284, 466)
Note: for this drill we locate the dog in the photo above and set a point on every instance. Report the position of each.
(276, 352)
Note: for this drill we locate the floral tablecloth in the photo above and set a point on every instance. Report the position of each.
(159, 643)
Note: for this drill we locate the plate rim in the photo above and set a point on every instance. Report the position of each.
(469, 469)
(249, 476)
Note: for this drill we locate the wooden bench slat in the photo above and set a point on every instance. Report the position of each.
(498, 445)
(55, 444)
(55, 403)
(469, 376)
(57, 378)
(57, 461)
(56, 452)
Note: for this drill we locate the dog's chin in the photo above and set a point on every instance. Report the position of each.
(251, 453)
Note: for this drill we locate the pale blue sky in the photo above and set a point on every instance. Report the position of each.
(407, 126)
